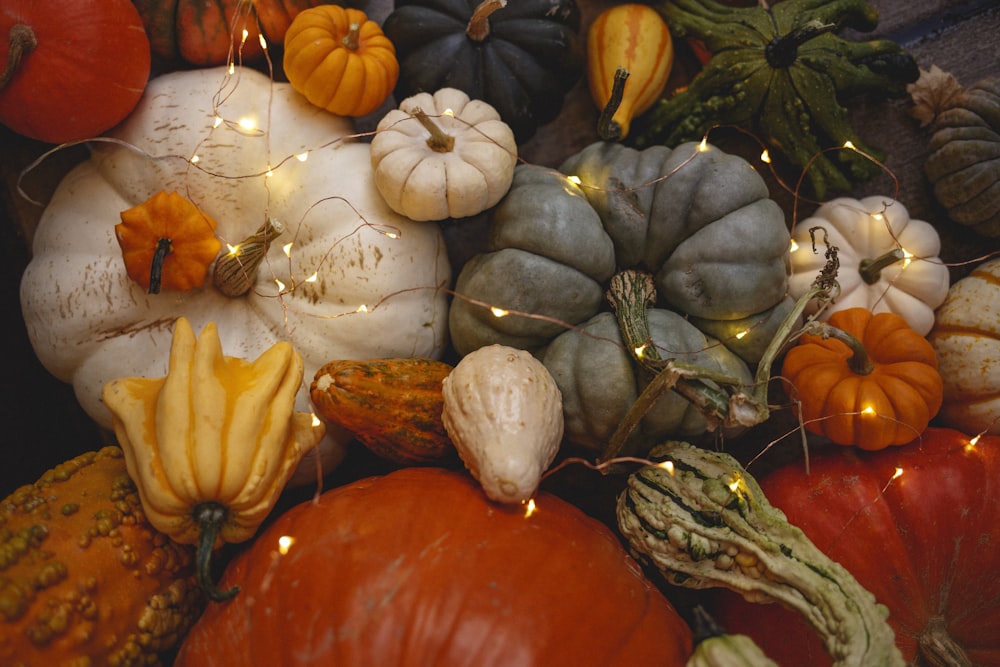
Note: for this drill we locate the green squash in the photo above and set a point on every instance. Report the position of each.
(520, 57)
(697, 220)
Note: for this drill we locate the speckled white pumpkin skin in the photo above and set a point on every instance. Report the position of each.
(89, 323)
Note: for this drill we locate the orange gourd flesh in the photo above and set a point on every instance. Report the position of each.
(392, 406)
(636, 38)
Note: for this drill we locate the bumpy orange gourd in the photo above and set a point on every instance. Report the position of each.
(884, 394)
(167, 243)
(392, 406)
(340, 60)
(84, 578)
(633, 37)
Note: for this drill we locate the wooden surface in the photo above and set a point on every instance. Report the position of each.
(43, 425)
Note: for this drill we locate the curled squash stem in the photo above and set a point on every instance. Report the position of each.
(210, 517)
(236, 271)
(478, 27)
(607, 128)
(439, 141)
(22, 42)
(630, 294)
(721, 399)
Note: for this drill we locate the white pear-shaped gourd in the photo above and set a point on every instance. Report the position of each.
(503, 411)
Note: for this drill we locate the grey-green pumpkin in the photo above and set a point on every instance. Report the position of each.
(698, 220)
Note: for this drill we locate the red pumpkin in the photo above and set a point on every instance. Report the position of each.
(210, 32)
(74, 68)
(418, 568)
(925, 543)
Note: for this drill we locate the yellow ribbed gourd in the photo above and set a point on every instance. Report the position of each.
(635, 38)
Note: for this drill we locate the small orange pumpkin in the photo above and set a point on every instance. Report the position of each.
(877, 386)
(340, 60)
(167, 242)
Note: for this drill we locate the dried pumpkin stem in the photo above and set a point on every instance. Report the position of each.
(871, 269)
(164, 247)
(859, 363)
(936, 648)
(631, 293)
(478, 27)
(607, 128)
(439, 141)
(236, 271)
(210, 517)
(22, 42)
(352, 39)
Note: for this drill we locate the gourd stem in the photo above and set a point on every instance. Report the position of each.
(236, 271)
(478, 27)
(607, 128)
(630, 294)
(782, 51)
(871, 269)
(210, 517)
(164, 247)
(859, 363)
(439, 141)
(936, 648)
(351, 39)
(22, 42)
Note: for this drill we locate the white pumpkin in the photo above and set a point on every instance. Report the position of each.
(359, 281)
(443, 156)
(888, 261)
(966, 338)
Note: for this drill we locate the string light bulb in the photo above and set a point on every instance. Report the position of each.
(285, 543)
(499, 312)
(529, 507)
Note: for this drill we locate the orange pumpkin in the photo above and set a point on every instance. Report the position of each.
(210, 32)
(417, 567)
(84, 579)
(167, 242)
(878, 386)
(340, 60)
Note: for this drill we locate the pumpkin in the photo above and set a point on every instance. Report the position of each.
(703, 521)
(340, 60)
(443, 156)
(90, 56)
(358, 282)
(520, 58)
(633, 38)
(417, 567)
(392, 406)
(963, 164)
(554, 247)
(84, 578)
(167, 242)
(888, 261)
(211, 445)
(916, 525)
(876, 386)
(503, 411)
(204, 34)
(966, 339)
(779, 71)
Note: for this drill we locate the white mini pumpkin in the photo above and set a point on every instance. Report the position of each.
(888, 260)
(443, 156)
